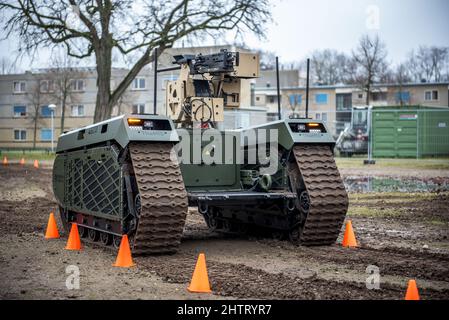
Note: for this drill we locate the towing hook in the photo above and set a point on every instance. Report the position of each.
(203, 208)
(291, 205)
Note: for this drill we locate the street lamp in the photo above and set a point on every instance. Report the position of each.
(52, 107)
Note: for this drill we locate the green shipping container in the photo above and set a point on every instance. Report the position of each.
(410, 132)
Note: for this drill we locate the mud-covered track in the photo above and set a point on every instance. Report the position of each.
(163, 197)
(328, 200)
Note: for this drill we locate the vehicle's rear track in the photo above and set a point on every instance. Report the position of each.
(328, 200)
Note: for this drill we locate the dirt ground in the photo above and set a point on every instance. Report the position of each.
(404, 235)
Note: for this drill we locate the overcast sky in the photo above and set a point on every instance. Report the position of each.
(301, 26)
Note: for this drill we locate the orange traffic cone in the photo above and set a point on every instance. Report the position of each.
(200, 279)
(73, 243)
(349, 237)
(36, 164)
(412, 291)
(52, 229)
(5, 161)
(124, 258)
(22, 161)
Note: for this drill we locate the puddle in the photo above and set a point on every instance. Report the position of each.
(357, 184)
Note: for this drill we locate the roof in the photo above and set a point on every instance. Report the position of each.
(347, 86)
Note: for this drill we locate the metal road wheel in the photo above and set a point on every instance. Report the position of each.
(94, 235)
(138, 205)
(82, 231)
(227, 226)
(116, 241)
(278, 235)
(294, 236)
(304, 202)
(64, 219)
(106, 238)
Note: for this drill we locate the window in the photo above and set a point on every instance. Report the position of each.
(360, 95)
(379, 96)
(403, 96)
(138, 84)
(272, 99)
(431, 95)
(434, 95)
(20, 134)
(360, 118)
(138, 108)
(46, 134)
(45, 112)
(20, 111)
(318, 116)
(47, 86)
(166, 79)
(295, 99)
(19, 86)
(77, 85)
(268, 85)
(321, 98)
(257, 98)
(77, 111)
(344, 101)
(324, 117)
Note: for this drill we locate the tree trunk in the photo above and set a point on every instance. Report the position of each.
(35, 130)
(103, 108)
(63, 103)
(368, 92)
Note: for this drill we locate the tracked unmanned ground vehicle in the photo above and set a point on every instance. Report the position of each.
(123, 176)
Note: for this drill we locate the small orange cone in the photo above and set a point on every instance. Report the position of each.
(124, 258)
(200, 279)
(52, 229)
(36, 164)
(73, 243)
(349, 237)
(412, 291)
(5, 161)
(22, 161)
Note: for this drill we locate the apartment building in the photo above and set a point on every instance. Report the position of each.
(25, 118)
(333, 104)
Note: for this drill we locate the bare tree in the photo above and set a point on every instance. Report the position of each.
(267, 60)
(329, 67)
(293, 102)
(401, 77)
(36, 99)
(7, 67)
(440, 58)
(61, 73)
(128, 27)
(370, 57)
(428, 63)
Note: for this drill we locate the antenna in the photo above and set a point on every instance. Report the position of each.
(156, 71)
(307, 88)
(155, 82)
(278, 88)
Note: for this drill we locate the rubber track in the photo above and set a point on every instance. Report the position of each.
(328, 197)
(163, 196)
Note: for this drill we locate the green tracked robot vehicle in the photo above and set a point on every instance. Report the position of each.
(138, 174)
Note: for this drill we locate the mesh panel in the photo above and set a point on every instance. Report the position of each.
(101, 185)
(77, 166)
